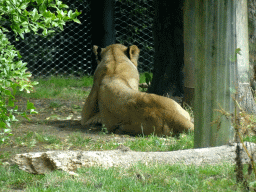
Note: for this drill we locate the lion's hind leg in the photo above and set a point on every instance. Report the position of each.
(93, 120)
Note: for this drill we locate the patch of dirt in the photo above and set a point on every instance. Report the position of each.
(50, 109)
(59, 118)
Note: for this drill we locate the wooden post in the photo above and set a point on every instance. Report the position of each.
(189, 52)
(215, 70)
(245, 97)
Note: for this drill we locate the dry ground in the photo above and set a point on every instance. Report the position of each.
(60, 118)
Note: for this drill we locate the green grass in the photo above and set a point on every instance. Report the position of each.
(60, 87)
(136, 178)
(14, 178)
(63, 87)
(145, 143)
(77, 139)
(31, 139)
(154, 143)
(55, 104)
(251, 138)
(80, 140)
(139, 177)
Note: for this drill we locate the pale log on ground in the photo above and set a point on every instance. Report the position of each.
(44, 162)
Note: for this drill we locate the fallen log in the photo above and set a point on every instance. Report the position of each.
(44, 162)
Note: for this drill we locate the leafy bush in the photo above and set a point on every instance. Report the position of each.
(41, 17)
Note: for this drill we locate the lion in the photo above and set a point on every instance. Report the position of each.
(116, 101)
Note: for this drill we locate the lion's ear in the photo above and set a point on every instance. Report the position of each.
(97, 52)
(133, 53)
(95, 48)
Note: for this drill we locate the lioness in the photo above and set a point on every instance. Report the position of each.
(116, 102)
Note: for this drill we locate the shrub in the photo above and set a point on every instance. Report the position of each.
(41, 17)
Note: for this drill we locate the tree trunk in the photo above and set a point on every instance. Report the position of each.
(169, 49)
(103, 24)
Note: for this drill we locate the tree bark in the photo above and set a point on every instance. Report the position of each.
(169, 48)
(103, 24)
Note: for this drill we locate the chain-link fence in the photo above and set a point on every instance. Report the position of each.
(134, 22)
(69, 52)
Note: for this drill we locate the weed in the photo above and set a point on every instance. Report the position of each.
(55, 104)
(189, 110)
(104, 130)
(185, 141)
(244, 125)
(47, 139)
(77, 139)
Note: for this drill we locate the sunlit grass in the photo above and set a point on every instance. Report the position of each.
(139, 177)
(81, 140)
(155, 143)
(78, 139)
(58, 87)
(31, 139)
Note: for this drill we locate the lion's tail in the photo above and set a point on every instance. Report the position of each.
(177, 123)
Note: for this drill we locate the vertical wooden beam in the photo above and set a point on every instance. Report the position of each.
(245, 98)
(189, 52)
(215, 70)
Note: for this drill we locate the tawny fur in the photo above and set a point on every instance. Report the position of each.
(116, 102)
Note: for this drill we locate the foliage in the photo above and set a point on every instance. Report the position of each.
(148, 78)
(41, 17)
(244, 125)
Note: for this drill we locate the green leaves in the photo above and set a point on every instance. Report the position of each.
(34, 15)
(42, 8)
(77, 21)
(40, 17)
(24, 16)
(12, 75)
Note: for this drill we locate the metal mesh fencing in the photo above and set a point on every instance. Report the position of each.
(69, 52)
(134, 22)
